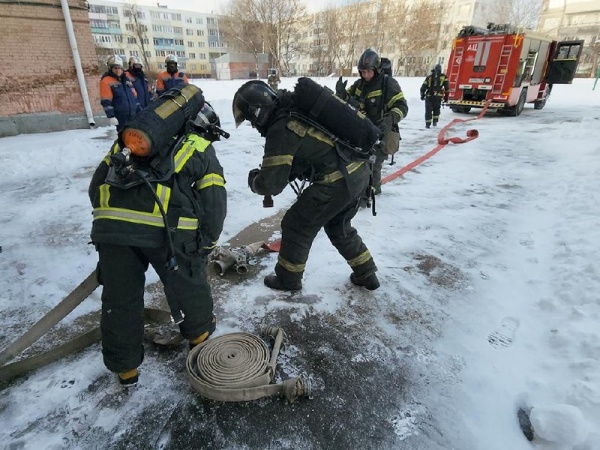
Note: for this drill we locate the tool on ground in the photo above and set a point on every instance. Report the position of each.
(224, 258)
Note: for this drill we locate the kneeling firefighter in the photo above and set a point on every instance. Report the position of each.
(159, 198)
(296, 149)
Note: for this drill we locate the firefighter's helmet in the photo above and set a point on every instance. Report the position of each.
(114, 60)
(135, 60)
(437, 68)
(206, 122)
(171, 59)
(254, 101)
(369, 60)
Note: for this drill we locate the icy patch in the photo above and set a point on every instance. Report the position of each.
(404, 424)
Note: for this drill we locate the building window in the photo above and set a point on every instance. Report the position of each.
(201, 44)
(189, 32)
(199, 21)
(192, 56)
(199, 32)
(177, 30)
(203, 67)
(178, 41)
(131, 40)
(95, 23)
(190, 43)
(202, 56)
(188, 20)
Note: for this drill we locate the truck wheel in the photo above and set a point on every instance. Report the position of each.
(518, 108)
(460, 109)
(541, 103)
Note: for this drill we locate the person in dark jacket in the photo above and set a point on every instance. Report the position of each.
(380, 97)
(136, 75)
(433, 90)
(295, 150)
(171, 77)
(273, 79)
(117, 94)
(129, 234)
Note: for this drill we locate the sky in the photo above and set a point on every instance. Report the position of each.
(487, 257)
(216, 6)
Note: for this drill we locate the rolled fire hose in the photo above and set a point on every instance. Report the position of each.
(237, 367)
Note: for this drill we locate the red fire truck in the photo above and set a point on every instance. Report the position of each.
(508, 67)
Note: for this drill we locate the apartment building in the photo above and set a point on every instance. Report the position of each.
(575, 19)
(153, 32)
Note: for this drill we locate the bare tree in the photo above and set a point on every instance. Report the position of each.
(420, 33)
(262, 24)
(139, 32)
(521, 13)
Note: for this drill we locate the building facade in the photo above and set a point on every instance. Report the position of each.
(568, 20)
(153, 32)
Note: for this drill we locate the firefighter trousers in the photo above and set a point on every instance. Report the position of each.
(432, 109)
(122, 273)
(332, 207)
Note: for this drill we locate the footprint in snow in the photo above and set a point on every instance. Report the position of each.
(504, 336)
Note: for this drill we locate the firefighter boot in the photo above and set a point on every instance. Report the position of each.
(370, 281)
(204, 336)
(275, 282)
(128, 379)
(427, 125)
(435, 123)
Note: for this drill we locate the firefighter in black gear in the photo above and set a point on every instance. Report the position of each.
(294, 151)
(433, 90)
(380, 97)
(129, 234)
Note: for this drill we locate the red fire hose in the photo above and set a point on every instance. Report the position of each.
(442, 142)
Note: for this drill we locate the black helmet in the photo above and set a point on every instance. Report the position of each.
(437, 68)
(369, 60)
(206, 123)
(254, 102)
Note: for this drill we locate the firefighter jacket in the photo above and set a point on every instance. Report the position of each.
(378, 98)
(166, 81)
(118, 97)
(193, 198)
(436, 85)
(295, 150)
(142, 88)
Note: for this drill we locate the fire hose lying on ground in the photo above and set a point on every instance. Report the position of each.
(232, 367)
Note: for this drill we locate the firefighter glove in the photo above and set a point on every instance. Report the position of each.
(422, 97)
(113, 121)
(446, 98)
(386, 124)
(251, 176)
(340, 88)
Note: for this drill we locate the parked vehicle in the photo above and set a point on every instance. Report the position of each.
(507, 66)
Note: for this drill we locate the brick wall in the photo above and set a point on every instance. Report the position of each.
(38, 73)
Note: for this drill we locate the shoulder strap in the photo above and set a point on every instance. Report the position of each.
(382, 105)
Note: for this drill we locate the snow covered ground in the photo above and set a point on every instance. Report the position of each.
(489, 299)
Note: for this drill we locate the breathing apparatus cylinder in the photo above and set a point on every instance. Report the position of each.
(151, 131)
(338, 117)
